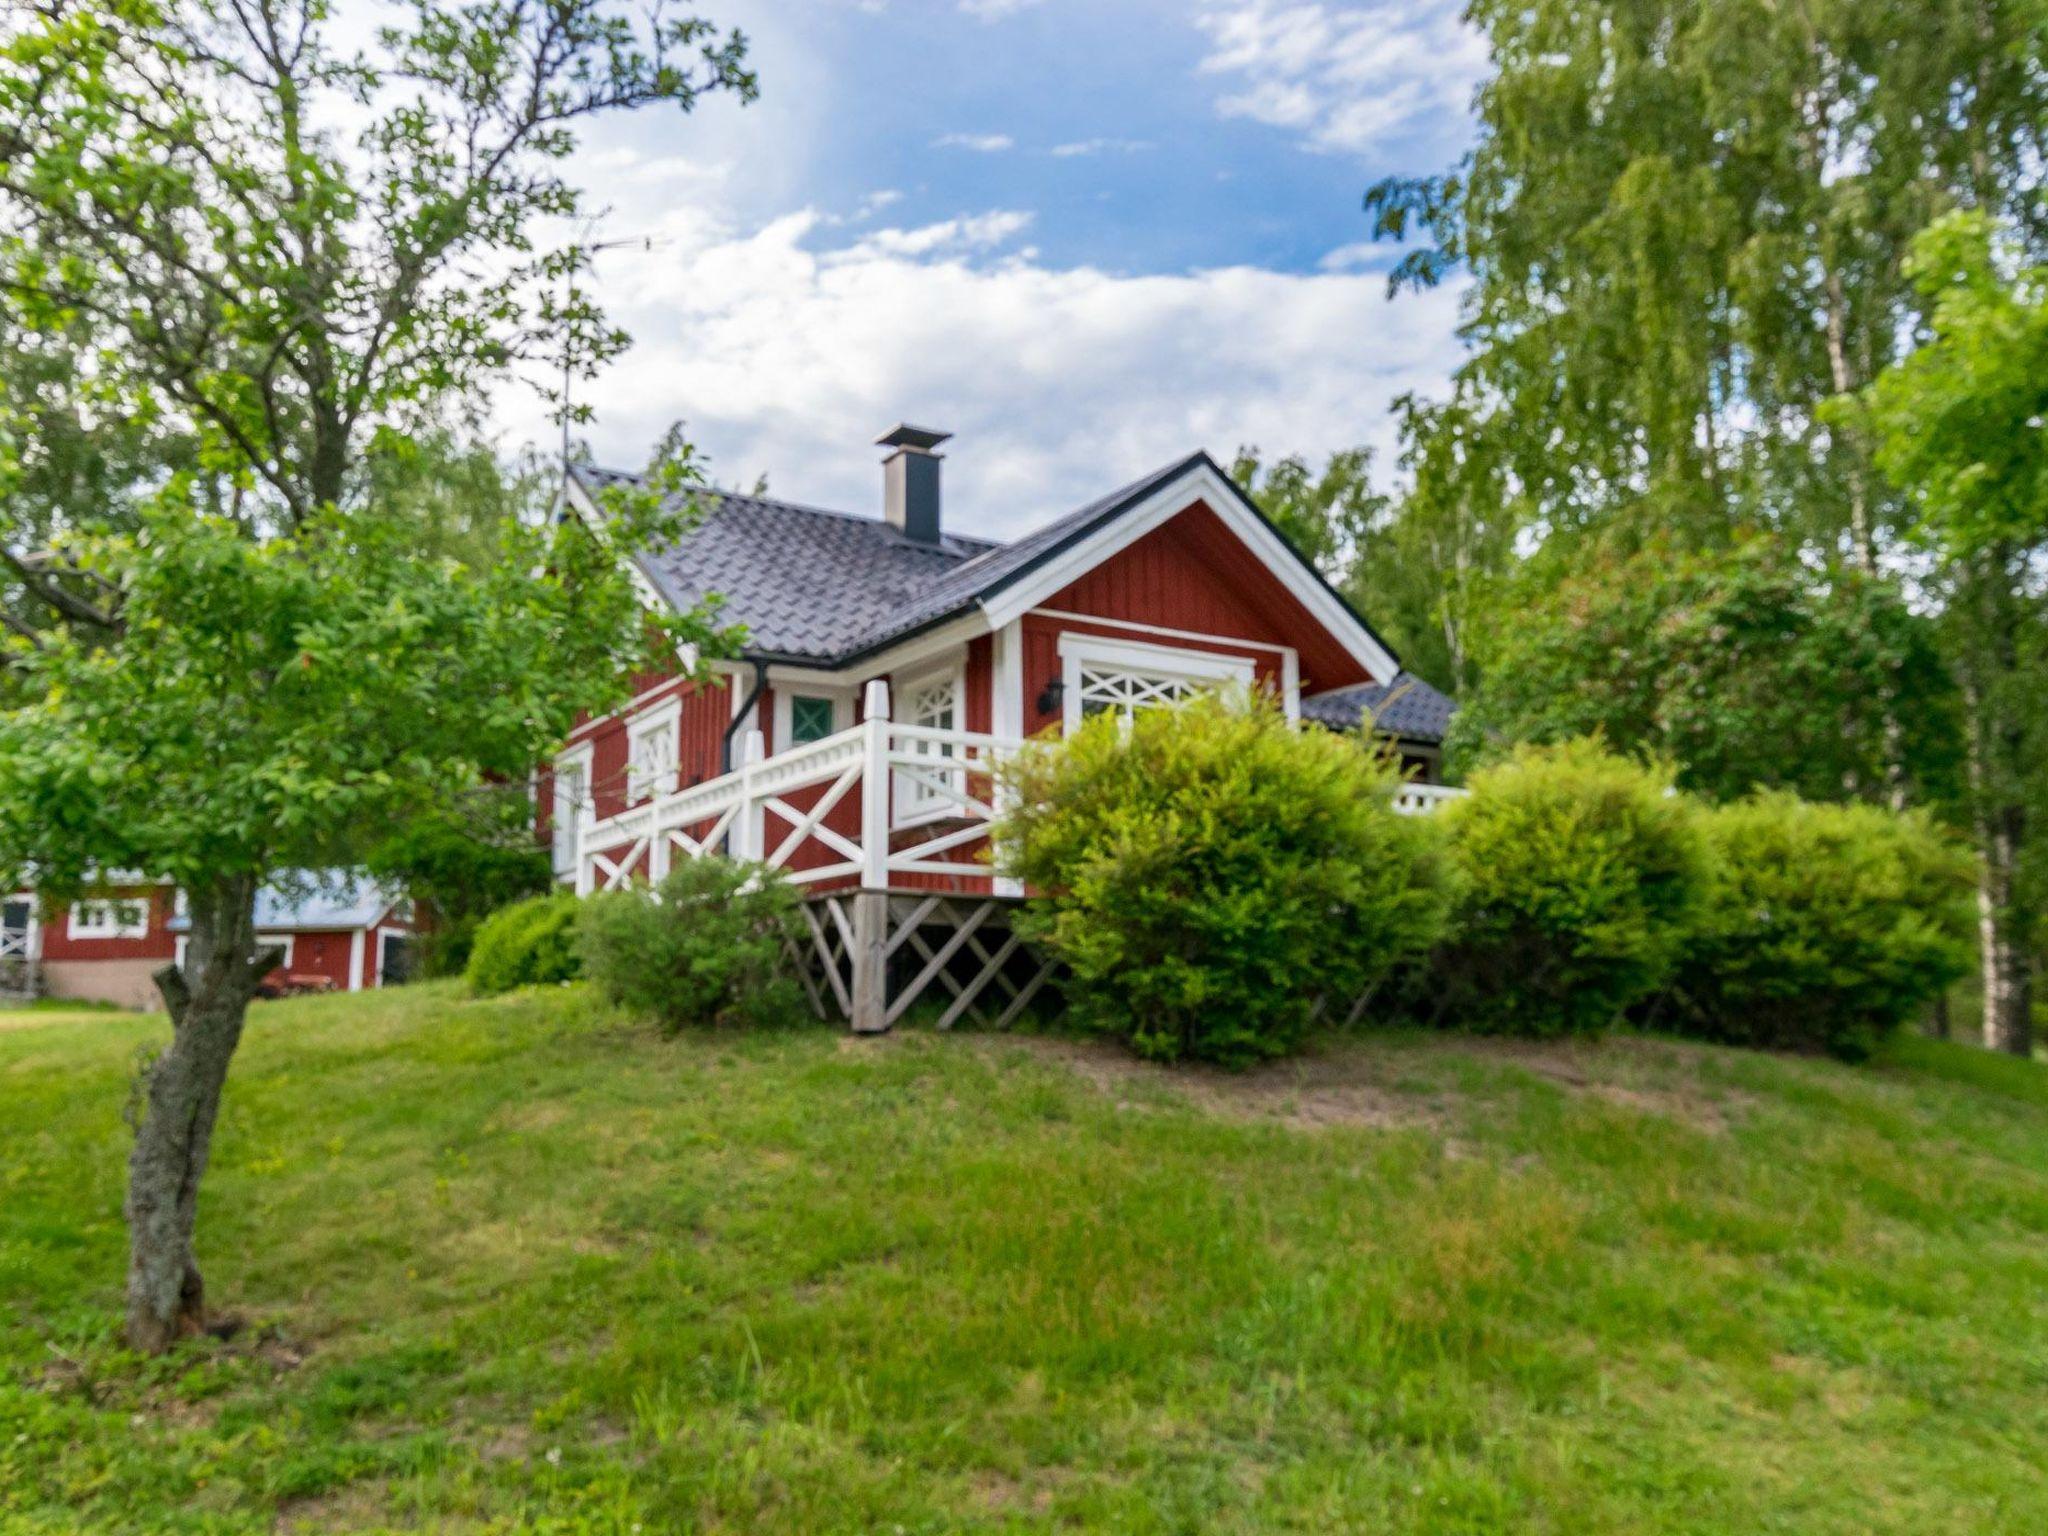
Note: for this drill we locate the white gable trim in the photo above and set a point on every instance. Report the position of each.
(1202, 483)
(1161, 631)
(592, 517)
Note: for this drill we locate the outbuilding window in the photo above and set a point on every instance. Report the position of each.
(122, 917)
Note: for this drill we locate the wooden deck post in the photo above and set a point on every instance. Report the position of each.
(870, 989)
(870, 958)
(874, 789)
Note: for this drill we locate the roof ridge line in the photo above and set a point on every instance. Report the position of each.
(796, 506)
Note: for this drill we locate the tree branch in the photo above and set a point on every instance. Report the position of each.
(177, 996)
(34, 573)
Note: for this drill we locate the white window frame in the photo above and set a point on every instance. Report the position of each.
(567, 829)
(661, 723)
(288, 940)
(113, 926)
(1202, 669)
(915, 802)
(785, 714)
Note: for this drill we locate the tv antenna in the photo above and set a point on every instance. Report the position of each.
(589, 251)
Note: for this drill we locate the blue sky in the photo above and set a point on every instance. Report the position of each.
(1084, 235)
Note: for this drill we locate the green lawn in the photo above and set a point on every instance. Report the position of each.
(521, 1265)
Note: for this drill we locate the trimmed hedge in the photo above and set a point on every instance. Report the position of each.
(1825, 927)
(710, 945)
(1579, 876)
(527, 943)
(1210, 873)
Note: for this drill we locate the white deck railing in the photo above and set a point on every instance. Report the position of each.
(922, 801)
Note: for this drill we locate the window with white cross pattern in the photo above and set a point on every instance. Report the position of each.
(1107, 689)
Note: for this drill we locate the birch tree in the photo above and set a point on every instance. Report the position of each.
(1961, 428)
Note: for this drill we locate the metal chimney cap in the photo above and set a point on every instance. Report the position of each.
(923, 439)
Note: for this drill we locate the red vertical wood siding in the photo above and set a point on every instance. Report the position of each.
(700, 746)
(977, 710)
(325, 954)
(707, 712)
(1192, 573)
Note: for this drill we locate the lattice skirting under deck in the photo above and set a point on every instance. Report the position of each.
(872, 956)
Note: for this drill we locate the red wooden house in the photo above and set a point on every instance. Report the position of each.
(340, 933)
(890, 663)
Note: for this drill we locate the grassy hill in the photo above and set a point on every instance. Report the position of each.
(520, 1265)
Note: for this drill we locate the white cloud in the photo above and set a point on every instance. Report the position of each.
(1359, 256)
(995, 10)
(787, 354)
(1101, 147)
(1345, 77)
(981, 143)
(981, 231)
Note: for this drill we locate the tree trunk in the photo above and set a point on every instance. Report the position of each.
(1994, 693)
(208, 1002)
(2002, 935)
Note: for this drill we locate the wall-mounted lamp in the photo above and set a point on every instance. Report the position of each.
(1053, 697)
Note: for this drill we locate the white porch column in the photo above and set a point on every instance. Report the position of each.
(746, 821)
(874, 788)
(1006, 718)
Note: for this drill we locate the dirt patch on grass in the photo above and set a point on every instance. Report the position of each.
(1405, 1082)
(1654, 1077)
(359, 1506)
(1340, 1088)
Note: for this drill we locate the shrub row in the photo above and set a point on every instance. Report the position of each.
(1215, 878)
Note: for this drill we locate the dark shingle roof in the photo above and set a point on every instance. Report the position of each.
(1001, 564)
(827, 587)
(1407, 707)
(806, 582)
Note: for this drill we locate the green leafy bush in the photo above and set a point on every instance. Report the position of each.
(710, 945)
(1825, 926)
(1210, 873)
(528, 942)
(1580, 873)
